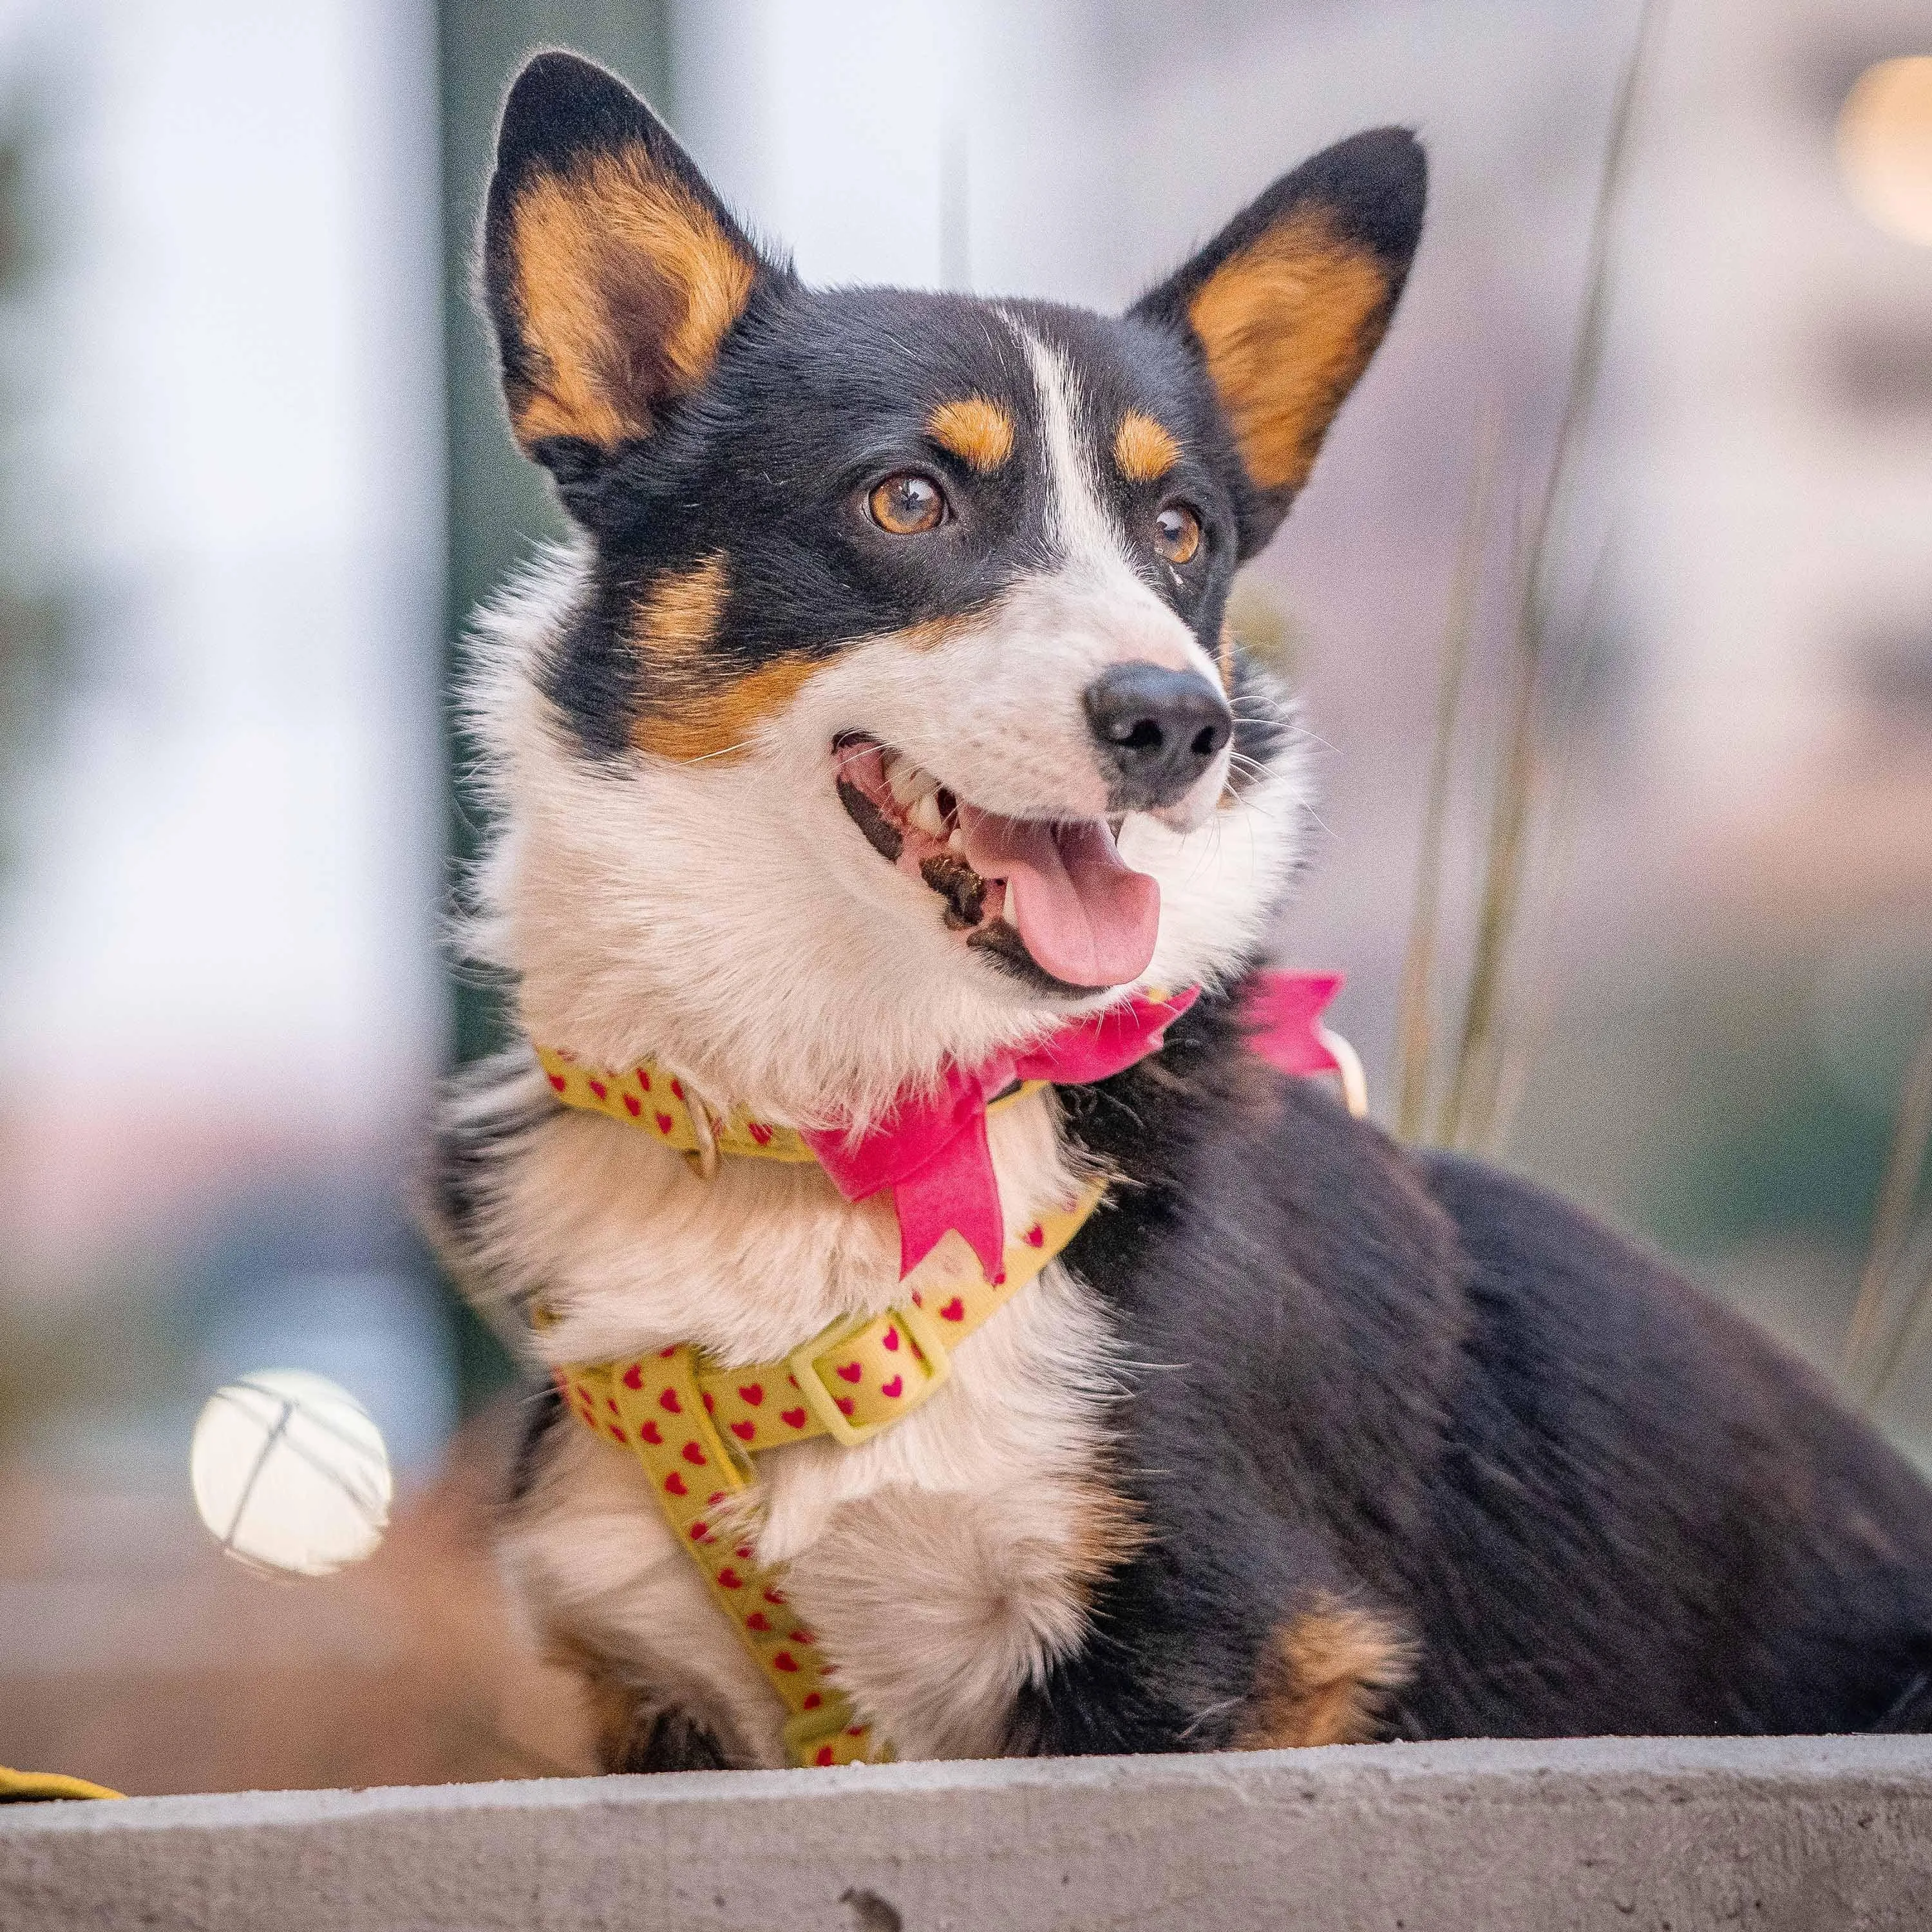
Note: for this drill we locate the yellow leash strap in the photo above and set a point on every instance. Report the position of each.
(20, 1787)
(650, 1097)
(695, 1426)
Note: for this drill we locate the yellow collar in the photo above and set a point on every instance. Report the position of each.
(650, 1097)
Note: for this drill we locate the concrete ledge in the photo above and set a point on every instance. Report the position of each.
(1640, 1833)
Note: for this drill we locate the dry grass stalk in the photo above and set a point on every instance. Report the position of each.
(1469, 1112)
(1914, 1320)
(1891, 1236)
(1467, 1108)
(1535, 1010)
(1416, 1016)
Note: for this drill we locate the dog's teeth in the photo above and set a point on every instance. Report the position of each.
(909, 783)
(924, 812)
(955, 841)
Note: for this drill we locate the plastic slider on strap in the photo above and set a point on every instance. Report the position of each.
(825, 1382)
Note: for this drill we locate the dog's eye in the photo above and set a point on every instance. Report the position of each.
(1177, 532)
(907, 504)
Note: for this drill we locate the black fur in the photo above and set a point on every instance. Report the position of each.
(674, 1742)
(543, 1411)
(469, 1146)
(1599, 1503)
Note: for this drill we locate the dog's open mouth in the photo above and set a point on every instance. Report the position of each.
(1052, 894)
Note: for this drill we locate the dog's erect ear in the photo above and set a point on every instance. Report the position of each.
(612, 272)
(1287, 303)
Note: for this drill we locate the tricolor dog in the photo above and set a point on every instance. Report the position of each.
(965, 1338)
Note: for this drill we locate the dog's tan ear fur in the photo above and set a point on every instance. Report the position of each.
(611, 272)
(1288, 303)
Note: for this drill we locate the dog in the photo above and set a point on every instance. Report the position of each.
(881, 721)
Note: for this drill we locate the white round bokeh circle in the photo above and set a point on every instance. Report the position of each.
(290, 1473)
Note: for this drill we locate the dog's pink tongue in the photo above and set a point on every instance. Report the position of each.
(1087, 916)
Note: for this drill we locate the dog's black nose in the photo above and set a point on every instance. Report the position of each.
(1158, 730)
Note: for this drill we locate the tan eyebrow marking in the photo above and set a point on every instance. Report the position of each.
(1143, 451)
(976, 431)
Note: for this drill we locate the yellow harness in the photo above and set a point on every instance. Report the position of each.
(695, 1426)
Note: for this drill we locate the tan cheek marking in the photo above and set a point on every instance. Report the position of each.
(1325, 1678)
(692, 708)
(719, 722)
(1144, 451)
(1287, 326)
(975, 430)
(626, 287)
(678, 616)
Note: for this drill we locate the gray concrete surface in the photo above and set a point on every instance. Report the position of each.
(1651, 1834)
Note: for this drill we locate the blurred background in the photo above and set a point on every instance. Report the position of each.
(1677, 831)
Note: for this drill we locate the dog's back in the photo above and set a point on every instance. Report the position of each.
(1423, 1431)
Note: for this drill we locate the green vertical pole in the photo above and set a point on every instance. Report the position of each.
(499, 504)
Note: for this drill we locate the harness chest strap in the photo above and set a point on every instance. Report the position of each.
(694, 1427)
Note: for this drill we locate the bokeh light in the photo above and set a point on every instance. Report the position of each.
(290, 1473)
(1885, 146)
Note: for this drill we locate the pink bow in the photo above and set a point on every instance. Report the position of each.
(1282, 1011)
(932, 1154)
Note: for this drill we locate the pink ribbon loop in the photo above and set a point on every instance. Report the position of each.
(1282, 1013)
(932, 1152)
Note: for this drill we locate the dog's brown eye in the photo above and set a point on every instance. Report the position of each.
(907, 504)
(1177, 532)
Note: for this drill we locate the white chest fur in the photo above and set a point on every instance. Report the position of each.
(942, 1563)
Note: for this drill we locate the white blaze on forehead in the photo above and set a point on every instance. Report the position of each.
(1097, 565)
(1085, 530)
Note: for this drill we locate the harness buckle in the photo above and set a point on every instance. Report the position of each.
(823, 1402)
